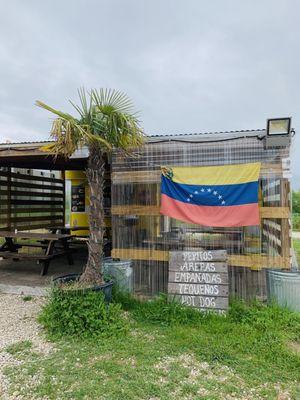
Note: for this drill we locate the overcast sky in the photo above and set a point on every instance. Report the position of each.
(188, 65)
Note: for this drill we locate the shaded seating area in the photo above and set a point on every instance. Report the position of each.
(23, 277)
(51, 245)
(33, 214)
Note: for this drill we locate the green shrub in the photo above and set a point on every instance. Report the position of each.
(27, 298)
(296, 222)
(296, 202)
(81, 314)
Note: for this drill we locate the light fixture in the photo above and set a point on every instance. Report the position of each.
(278, 132)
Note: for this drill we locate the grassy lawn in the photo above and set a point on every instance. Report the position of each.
(296, 244)
(251, 354)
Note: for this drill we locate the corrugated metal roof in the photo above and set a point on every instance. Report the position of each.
(211, 133)
(36, 143)
(174, 136)
(209, 136)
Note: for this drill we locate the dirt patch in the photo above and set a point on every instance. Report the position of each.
(18, 324)
(294, 346)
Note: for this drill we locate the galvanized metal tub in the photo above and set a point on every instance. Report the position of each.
(121, 272)
(284, 288)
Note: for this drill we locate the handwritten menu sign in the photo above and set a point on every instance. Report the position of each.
(78, 198)
(199, 279)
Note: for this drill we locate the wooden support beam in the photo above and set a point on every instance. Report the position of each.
(265, 212)
(258, 261)
(286, 231)
(135, 210)
(275, 212)
(8, 194)
(254, 261)
(153, 176)
(141, 254)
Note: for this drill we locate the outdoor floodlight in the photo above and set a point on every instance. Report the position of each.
(278, 132)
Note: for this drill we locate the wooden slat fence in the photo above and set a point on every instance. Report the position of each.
(30, 202)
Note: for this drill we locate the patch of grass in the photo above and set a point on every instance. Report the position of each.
(161, 310)
(172, 352)
(296, 244)
(27, 298)
(19, 347)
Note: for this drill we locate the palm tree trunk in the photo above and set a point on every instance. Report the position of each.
(95, 177)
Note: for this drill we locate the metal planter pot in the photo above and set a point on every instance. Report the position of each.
(284, 288)
(121, 272)
(105, 288)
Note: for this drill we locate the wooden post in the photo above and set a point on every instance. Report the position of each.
(285, 199)
(9, 198)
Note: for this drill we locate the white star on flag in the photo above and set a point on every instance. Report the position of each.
(202, 190)
(196, 192)
(191, 195)
(215, 193)
(209, 190)
(223, 202)
(188, 199)
(219, 197)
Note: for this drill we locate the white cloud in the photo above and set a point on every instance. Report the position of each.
(12, 131)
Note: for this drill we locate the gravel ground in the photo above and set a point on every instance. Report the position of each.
(296, 235)
(18, 323)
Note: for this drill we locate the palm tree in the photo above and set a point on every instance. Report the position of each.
(105, 122)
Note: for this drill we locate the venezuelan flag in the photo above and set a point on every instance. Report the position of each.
(223, 196)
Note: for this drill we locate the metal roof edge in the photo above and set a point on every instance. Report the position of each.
(184, 137)
(26, 144)
(208, 136)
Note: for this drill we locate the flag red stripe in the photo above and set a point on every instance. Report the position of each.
(241, 215)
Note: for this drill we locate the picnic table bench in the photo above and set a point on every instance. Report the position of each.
(67, 229)
(71, 231)
(52, 245)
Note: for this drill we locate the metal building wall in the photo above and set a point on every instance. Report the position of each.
(140, 233)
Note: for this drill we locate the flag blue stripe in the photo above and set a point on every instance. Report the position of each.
(211, 195)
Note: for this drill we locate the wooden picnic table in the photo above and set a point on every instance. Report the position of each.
(52, 244)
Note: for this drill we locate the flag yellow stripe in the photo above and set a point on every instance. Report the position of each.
(217, 175)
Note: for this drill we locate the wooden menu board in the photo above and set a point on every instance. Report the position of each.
(199, 279)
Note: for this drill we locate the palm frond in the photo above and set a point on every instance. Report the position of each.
(115, 119)
(54, 111)
(109, 100)
(105, 120)
(86, 110)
